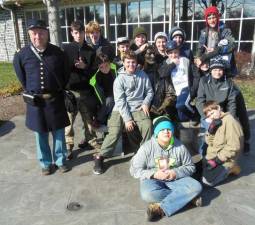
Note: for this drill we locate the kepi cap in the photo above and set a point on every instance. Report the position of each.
(34, 23)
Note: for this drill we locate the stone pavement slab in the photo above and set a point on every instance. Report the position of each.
(28, 198)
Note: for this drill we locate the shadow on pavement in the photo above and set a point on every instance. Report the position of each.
(113, 162)
(78, 160)
(6, 127)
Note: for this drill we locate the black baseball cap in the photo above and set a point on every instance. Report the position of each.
(34, 23)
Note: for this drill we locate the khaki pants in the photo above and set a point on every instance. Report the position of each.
(83, 109)
(115, 127)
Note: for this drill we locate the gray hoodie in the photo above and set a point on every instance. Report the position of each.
(131, 91)
(144, 162)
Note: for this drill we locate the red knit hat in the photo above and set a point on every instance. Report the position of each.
(212, 10)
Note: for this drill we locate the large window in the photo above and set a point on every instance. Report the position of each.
(153, 15)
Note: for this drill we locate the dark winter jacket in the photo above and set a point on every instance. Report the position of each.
(140, 55)
(164, 94)
(79, 79)
(228, 46)
(220, 90)
(103, 42)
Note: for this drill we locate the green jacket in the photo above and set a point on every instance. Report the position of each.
(97, 89)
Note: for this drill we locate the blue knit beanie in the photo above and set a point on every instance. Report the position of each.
(161, 123)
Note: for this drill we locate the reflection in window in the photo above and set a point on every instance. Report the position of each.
(89, 13)
(121, 31)
(158, 10)
(70, 15)
(186, 26)
(246, 47)
(198, 26)
(234, 27)
(133, 11)
(199, 11)
(36, 15)
(112, 15)
(145, 11)
(44, 16)
(99, 14)
(249, 8)
(112, 33)
(29, 16)
(121, 12)
(130, 31)
(156, 28)
(62, 17)
(79, 14)
(248, 29)
(63, 34)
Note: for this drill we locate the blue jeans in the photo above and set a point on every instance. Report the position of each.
(43, 148)
(171, 195)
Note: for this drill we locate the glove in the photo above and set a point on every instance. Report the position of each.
(213, 163)
(213, 127)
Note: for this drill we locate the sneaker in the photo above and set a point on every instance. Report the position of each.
(98, 167)
(197, 201)
(63, 168)
(46, 171)
(235, 170)
(154, 212)
(85, 144)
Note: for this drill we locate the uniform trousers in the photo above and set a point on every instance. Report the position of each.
(58, 156)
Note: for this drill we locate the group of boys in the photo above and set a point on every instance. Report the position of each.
(162, 82)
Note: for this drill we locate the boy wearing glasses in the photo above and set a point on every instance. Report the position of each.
(225, 141)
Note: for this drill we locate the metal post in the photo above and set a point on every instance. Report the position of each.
(171, 13)
(106, 18)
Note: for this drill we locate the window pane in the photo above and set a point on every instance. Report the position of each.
(121, 13)
(99, 12)
(29, 16)
(246, 47)
(233, 12)
(248, 29)
(112, 13)
(63, 33)
(157, 28)
(133, 12)
(70, 15)
(112, 33)
(89, 13)
(158, 10)
(62, 17)
(187, 27)
(44, 16)
(145, 10)
(130, 31)
(121, 29)
(198, 26)
(234, 27)
(199, 12)
(79, 14)
(36, 15)
(147, 27)
(70, 38)
(249, 8)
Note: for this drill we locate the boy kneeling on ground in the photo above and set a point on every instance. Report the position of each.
(164, 167)
(225, 141)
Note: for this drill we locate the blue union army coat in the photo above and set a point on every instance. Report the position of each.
(36, 78)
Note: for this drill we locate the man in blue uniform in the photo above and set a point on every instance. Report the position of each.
(40, 67)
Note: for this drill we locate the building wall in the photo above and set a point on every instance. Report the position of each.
(7, 43)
